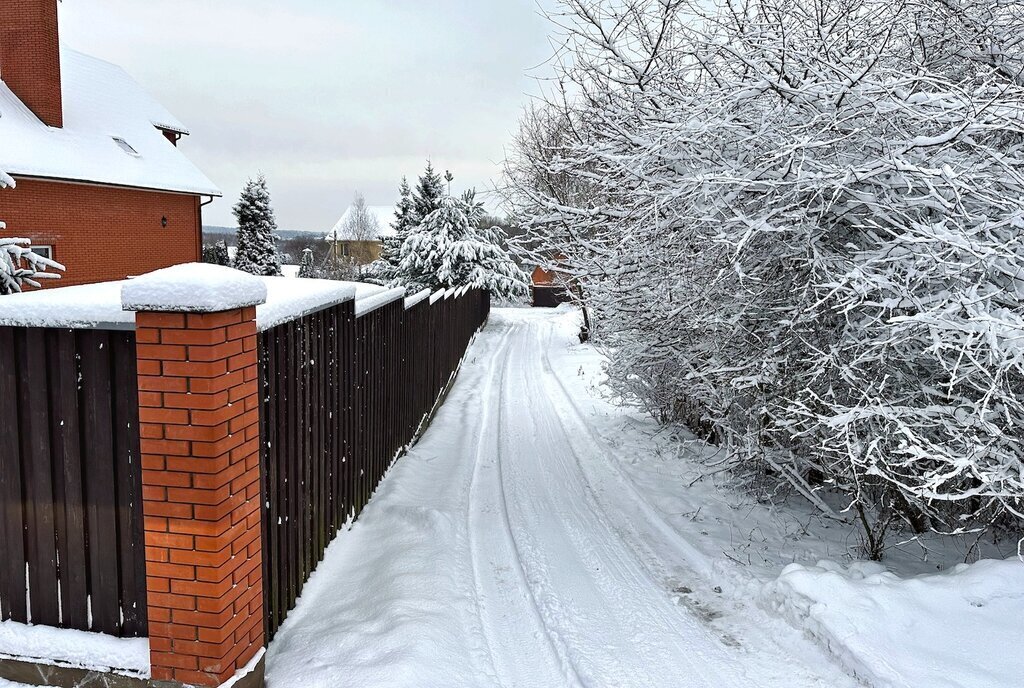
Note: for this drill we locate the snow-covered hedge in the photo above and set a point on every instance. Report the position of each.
(799, 226)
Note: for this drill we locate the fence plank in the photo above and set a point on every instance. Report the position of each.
(12, 529)
(68, 495)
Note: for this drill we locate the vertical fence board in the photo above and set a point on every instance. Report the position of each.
(12, 530)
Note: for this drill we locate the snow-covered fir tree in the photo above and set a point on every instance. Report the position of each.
(217, 253)
(430, 191)
(391, 249)
(257, 249)
(19, 265)
(306, 268)
(447, 250)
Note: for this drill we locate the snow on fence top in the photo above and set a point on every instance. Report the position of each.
(437, 296)
(99, 306)
(382, 299)
(291, 298)
(193, 288)
(416, 298)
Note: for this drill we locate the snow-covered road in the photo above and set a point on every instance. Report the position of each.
(509, 548)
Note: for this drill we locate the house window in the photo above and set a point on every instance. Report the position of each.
(126, 147)
(345, 250)
(44, 251)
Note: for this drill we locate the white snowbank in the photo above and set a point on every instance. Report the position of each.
(958, 629)
(91, 651)
(193, 287)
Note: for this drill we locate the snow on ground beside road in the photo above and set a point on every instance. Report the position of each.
(921, 619)
(951, 630)
(511, 548)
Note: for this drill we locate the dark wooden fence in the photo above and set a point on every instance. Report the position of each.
(343, 395)
(71, 530)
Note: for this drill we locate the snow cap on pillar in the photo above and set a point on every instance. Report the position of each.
(193, 288)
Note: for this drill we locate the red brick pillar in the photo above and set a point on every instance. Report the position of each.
(199, 414)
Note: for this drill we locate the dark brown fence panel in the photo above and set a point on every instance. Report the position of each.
(342, 397)
(71, 481)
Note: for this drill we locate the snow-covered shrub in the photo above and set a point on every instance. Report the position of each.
(257, 248)
(19, 265)
(449, 250)
(799, 226)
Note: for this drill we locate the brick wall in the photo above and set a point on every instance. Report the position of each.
(30, 56)
(104, 233)
(199, 423)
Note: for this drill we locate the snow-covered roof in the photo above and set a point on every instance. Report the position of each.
(385, 215)
(111, 134)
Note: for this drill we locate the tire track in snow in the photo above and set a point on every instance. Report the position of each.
(773, 660)
(510, 615)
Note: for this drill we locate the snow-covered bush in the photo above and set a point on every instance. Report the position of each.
(449, 250)
(799, 228)
(257, 248)
(19, 265)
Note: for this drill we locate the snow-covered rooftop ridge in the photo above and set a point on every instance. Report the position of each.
(193, 288)
(71, 648)
(110, 134)
(382, 299)
(385, 215)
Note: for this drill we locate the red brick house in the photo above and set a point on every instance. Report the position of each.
(101, 184)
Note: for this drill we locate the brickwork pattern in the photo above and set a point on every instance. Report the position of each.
(30, 56)
(103, 233)
(199, 413)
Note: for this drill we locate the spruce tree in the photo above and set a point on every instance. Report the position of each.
(446, 250)
(217, 253)
(391, 250)
(430, 191)
(257, 252)
(306, 267)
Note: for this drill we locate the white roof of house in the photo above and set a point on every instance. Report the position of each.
(101, 103)
(385, 215)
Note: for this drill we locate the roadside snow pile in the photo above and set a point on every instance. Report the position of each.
(66, 647)
(957, 629)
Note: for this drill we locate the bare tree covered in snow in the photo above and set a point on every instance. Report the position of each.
(799, 226)
(19, 265)
(361, 224)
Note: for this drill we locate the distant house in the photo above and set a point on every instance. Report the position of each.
(361, 250)
(549, 288)
(101, 184)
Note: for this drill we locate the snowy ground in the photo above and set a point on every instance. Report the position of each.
(511, 548)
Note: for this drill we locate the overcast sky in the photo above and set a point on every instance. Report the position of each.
(326, 97)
